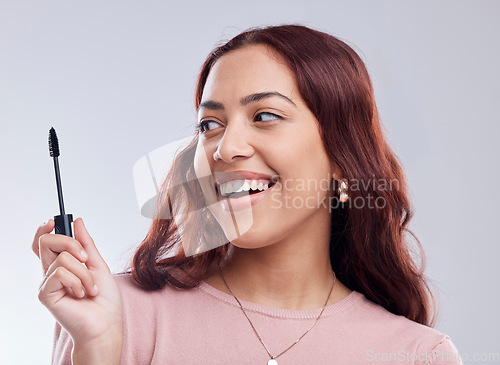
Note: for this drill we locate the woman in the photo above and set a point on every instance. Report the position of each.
(276, 265)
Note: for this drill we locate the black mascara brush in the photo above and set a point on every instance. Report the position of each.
(63, 221)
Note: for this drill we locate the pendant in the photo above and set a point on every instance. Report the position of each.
(272, 362)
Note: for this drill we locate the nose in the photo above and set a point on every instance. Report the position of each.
(233, 144)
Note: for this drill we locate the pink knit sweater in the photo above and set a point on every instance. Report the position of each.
(206, 326)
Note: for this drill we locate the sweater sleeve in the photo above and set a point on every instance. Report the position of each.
(63, 346)
(445, 353)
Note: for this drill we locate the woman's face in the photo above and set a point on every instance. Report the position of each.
(255, 121)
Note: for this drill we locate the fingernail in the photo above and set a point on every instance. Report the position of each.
(84, 255)
(96, 289)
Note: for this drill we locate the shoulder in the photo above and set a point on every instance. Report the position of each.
(377, 318)
(403, 336)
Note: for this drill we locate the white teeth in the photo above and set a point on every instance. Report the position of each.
(228, 188)
(232, 187)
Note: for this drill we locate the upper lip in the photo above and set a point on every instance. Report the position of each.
(223, 177)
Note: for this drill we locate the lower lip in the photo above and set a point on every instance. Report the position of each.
(244, 202)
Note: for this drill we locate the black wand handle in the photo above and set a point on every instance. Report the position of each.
(63, 224)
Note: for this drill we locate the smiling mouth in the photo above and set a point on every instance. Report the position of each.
(236, 195)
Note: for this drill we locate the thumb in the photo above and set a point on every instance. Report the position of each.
(95, 259)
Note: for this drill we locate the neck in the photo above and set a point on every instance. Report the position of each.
(294, 273)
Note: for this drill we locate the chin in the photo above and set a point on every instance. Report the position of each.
(250, 240)
(247, 245)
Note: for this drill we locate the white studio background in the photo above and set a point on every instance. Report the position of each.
(116, 80)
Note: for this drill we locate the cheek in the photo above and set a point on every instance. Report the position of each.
(298, 154)
(304, 166)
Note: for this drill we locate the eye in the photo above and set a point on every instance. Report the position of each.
(204, 124)
(266, 116)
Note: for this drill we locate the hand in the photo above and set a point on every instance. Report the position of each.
(78, 288)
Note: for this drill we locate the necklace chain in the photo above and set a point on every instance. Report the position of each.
(251, 324)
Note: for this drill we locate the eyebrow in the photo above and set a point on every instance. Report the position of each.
(252, 98)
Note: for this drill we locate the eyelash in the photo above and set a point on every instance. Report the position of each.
(203, 123)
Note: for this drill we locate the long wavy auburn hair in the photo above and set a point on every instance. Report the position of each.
(370, 249)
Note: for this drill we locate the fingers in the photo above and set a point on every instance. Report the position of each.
(80, 276)
(51, 245)
(95, 260)
(58, 283)
(46, 227)
(59, 280)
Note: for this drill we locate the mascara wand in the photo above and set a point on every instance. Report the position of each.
(63, 221)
